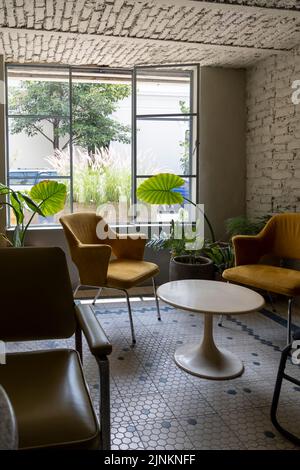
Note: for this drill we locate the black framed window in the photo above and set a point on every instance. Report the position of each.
(101, 132)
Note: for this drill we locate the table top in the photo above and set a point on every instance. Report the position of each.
(213, 297)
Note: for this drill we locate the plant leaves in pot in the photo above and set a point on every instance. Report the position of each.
(186, 261)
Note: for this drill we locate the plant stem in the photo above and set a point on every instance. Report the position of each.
(24, 230)
(212, 234)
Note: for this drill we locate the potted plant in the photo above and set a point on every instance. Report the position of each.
(46, 198)
(222, 256)
(186, 260)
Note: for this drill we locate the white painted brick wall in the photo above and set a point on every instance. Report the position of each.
(273, 136)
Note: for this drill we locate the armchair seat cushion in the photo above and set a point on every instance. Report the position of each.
(127, 273)
(270, 278)
(50, 399)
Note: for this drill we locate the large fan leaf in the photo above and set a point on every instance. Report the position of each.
(158, 189)
(50, 196)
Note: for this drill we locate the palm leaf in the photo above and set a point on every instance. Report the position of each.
(158, 189)
(50, 196)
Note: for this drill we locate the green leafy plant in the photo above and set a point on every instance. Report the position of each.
(159, 189)
(242, 225)
(176, 245)
(185, 144)
(221, 254)
(45, 198)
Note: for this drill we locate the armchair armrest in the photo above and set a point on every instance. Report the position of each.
(92, 263)
(100, 348)
(131, 246)
(248, 249)
(93, 332)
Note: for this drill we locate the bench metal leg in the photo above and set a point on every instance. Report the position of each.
(104, 404)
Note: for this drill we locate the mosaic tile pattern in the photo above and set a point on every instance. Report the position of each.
(156, 405)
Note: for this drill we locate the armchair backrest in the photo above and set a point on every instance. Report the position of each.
(36, 299)
(81, 228)
(282, 235)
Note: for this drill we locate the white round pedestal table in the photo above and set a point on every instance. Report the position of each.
(205, 359)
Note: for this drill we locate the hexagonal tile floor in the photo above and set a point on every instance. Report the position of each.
(156, 405)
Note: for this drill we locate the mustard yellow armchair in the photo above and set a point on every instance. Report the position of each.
(91, 252)
(279, 238)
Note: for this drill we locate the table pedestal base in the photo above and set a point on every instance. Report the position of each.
(206, 359)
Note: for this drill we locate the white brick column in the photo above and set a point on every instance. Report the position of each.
(273, 136)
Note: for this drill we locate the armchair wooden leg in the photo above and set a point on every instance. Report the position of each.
(289, 320)
(156, 299)
(130, 317)
(104, 403)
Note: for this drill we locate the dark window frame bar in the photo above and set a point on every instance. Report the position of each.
(163, 117)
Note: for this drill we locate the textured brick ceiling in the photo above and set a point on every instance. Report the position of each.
(128, 32)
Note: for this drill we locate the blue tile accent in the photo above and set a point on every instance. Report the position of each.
(166, 424)
(192, 421)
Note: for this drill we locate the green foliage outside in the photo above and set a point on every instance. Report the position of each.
(98, 178)
(92, 106)
(185, 145)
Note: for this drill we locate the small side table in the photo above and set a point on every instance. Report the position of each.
(205, 359)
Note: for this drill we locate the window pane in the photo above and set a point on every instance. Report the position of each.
(102, 178)
(166, 145)
(101, 124)
(38, 148)
(165, 90)
(38, 91)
